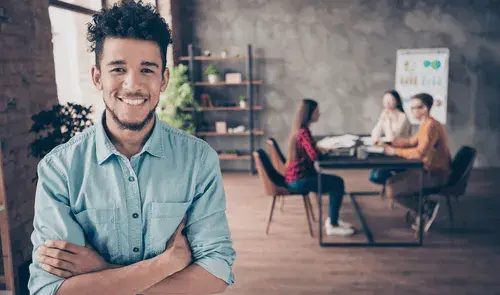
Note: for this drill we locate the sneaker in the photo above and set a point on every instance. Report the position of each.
(338, 231)
(431, 214)
(341, 223)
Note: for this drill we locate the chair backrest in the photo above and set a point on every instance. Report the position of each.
(277, 157)
(271, 179)
(461, 168)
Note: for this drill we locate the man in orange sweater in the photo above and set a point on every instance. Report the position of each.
(429, 145)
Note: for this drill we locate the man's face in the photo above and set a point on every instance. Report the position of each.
(131, 79)
(418, 108)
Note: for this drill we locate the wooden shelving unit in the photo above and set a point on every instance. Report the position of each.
(7, 276)
(195, 65)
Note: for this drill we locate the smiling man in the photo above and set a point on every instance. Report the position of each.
(132, 205)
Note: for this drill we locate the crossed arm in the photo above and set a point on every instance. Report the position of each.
(86, 272)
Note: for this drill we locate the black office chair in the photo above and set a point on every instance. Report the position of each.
(275, 185)
(461, 168)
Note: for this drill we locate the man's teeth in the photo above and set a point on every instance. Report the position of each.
(133, 102)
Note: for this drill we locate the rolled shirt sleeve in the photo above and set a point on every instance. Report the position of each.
(53, 221)
(207, 227)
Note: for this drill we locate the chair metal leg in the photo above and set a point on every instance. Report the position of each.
(460, 213)
(450, 211)
(282, 203)
(270, 215)
(311, 208)
(304, 197)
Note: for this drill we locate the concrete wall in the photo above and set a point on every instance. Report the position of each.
(343, 54)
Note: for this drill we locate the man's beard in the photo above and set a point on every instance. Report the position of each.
(131, 126)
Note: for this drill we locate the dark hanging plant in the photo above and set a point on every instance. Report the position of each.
(57, 125)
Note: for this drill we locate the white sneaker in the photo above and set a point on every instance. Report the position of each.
(341, 223)
(338, 231)
(428, 220)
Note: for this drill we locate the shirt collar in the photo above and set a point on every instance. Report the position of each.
(104, 147)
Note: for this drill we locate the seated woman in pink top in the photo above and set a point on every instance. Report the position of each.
(301, 176)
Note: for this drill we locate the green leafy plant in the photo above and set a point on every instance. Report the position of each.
(243, 98)
(57, 125)
(212, 70)
(179, 95)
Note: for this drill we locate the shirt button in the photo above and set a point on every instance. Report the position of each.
(135, 215)
(136, 249)
(131, 178)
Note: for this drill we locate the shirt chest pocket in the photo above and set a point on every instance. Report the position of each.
(102, 231)
(164, 218)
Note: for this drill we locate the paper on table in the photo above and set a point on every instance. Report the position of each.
(375, 149)
(367, 140)
(334, 142)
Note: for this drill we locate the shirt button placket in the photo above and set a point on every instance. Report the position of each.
(136, 206)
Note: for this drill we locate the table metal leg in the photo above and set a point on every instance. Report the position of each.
(371, 241)
(362, 220)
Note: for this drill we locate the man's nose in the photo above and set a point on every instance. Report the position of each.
(132, 82)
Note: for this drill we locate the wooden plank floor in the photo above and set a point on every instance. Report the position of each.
(465, 260)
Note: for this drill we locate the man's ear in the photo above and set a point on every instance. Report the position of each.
(96, 77)
(164, 81)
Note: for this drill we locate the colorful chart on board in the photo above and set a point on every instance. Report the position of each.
(423, 70)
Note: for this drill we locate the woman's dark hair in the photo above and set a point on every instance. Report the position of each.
(426, 99)
(397, 97)
(128, 19)
(302, 120)
(304, 113)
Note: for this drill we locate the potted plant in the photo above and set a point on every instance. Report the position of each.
(212, 72)
(179, 95)
(243, 101)
(224, 53)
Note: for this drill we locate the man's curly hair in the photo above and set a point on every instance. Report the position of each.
(128, 19)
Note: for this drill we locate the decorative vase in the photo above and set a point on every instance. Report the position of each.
(212, 79)
(243, 104)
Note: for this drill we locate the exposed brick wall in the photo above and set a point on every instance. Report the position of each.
(27, 85)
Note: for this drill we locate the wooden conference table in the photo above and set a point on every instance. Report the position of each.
(329, 164)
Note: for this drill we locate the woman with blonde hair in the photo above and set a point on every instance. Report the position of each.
(301, 176)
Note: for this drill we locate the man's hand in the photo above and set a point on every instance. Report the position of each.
(389, 150)
(65, 260)
(178, 252)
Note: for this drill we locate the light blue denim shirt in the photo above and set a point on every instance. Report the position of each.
(128, 209)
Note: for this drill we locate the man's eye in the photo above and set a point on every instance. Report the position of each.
(118, 70)
(147, 71)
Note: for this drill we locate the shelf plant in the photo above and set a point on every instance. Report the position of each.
(212, 72)
(179, 95)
